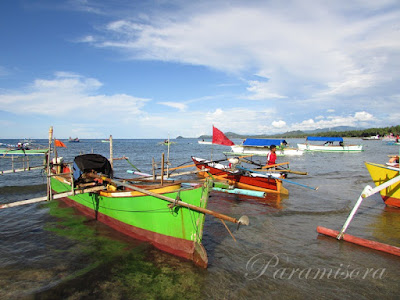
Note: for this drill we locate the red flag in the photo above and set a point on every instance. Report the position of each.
(58, 143)
(220, 138)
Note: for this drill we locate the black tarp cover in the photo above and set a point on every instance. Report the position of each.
(88, 162)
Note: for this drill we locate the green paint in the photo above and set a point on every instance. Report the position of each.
(148, 212)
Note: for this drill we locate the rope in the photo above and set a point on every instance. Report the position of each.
(132, 164)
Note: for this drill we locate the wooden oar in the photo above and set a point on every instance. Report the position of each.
(182, 167)
(243, 159)
(243, 220)
(275, 165)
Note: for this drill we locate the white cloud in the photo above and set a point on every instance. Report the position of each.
(332, 121)
(180, 106)
(70, 95)
(363, 116)
(279, 124)
(315, 51)
(261, 91)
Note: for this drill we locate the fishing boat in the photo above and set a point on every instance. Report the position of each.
(268, 183)
(166, 143)
(381, 174)
(169, 216)
(329, 145)
(387, 183)
(75, 140)
(22, 149)
(105, 141)
(203, 142)
(372, 138)
(171, 228)
(260, 147)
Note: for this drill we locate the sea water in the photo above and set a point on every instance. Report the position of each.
(50, 251)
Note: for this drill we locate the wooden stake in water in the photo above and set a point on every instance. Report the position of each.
(162, 169)
(153, 167)
(111, 153)
(49, 192)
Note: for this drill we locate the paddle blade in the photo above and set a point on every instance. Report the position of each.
(244, 220)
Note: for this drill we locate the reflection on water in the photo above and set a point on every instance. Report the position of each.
(49, 251)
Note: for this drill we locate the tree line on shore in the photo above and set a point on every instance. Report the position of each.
(360, 133)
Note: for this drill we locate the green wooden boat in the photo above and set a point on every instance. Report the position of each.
(174, 229)
(22, 152)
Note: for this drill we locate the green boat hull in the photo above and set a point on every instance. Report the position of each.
(177, 230)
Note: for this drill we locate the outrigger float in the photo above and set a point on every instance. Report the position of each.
(169, 216)
(387, 181)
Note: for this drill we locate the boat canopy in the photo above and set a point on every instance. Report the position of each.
(324, 139)
(263, 142)
(91, 162)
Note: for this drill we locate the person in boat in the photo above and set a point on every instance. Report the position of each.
(394, 160)
(271, 155)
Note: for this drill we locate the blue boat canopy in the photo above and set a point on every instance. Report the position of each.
(324, 139)
(263, 142)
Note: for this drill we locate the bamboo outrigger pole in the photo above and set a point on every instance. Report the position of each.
(368, 191)
(244, 220)
(56, 196)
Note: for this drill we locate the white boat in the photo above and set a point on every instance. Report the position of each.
(329, 145)
(260, 147)
(204, 143)
(372, 138)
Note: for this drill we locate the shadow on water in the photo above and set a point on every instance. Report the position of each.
(101, 263)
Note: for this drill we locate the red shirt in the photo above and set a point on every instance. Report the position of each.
(271, 158)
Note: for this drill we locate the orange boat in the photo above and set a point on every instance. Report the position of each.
(268, 183)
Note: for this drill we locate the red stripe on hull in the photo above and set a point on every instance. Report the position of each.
(265, 183)
(179, 247)
(390, 201)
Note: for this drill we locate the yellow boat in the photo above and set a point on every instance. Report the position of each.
(382, 173)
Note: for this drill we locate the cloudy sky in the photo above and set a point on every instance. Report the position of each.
(149, 69)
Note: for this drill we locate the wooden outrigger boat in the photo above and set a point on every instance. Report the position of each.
(204, 142)
(22, 149)
(381, 174)
(73, 140)
(173, 229)
(328, 146)
(169, 216)
(268, 183)
(260, 147)
(387, 181)
(22, 152)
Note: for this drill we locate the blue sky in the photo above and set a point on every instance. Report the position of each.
(149, 69)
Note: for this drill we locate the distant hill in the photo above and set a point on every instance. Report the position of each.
(342, 131)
